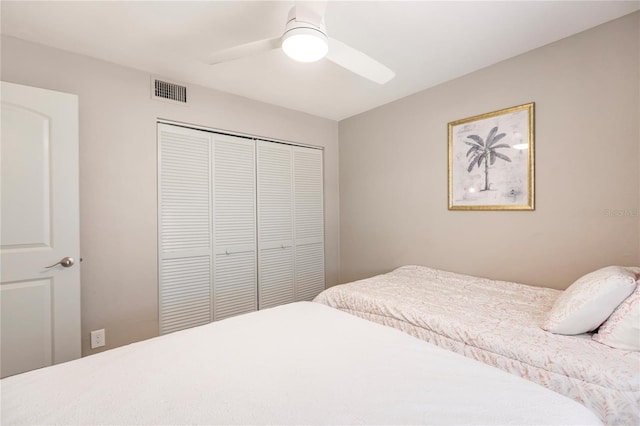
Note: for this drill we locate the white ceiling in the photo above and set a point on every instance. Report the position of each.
(425, 43)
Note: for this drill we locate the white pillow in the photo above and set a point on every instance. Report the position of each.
(622, 329)
(590, 300)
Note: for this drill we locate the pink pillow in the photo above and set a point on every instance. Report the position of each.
(622, 329)
(589, 301)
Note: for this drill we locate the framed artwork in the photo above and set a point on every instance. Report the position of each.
(491, 160)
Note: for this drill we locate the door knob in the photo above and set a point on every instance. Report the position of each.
(64, 262)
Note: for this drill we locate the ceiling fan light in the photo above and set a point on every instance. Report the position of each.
(305, 44)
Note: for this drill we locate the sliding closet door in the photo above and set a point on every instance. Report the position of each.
(184, 228)
(207, 227)
(275, 224)
(309, 222)
(290, 224)
(235, 276)
(240, 225)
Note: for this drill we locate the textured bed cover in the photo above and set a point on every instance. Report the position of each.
(302, 363)
(498, 323)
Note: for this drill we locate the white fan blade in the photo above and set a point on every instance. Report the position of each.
(358, 63)
(244, 50)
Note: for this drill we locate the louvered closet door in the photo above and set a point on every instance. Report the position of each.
(309, 223)
(184, 218)
(235, 276)
(275, 224)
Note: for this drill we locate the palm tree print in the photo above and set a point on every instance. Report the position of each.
(485, 152)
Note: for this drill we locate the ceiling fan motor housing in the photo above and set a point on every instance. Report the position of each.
(305, 38)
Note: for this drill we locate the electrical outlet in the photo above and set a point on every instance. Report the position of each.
(98, 338)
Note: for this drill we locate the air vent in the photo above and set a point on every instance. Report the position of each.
(168, 91)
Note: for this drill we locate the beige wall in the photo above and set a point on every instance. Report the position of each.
(118, 209)
(393, 169)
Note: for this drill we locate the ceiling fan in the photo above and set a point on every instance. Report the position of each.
(305, 39)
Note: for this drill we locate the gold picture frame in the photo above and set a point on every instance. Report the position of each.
(491, 160)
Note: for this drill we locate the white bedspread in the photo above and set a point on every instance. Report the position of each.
(302, 363)
(498, 323)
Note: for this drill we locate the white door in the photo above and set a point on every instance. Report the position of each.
(308, 223)
(234, 209)
(275, 225)
(290, 224)
(40, 306)
(206, 227)
(184, 228)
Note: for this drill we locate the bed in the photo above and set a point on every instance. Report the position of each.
(498, 323)
(302, 363)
